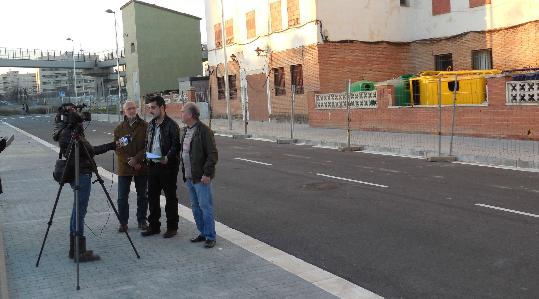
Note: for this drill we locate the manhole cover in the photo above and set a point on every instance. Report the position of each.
(320, 186)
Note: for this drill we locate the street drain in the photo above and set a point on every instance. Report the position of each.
(320, 186)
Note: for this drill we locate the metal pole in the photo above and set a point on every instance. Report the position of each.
(118, 69)
(245, 121)
(209, 106)
(349, 132)
(292, 112)
(439, 116)
(227, 89)
(454, 112)
(74, 73)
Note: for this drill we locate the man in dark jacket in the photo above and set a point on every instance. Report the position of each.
(199, 157)
(63, 134)
(162, 148)
(130, 165)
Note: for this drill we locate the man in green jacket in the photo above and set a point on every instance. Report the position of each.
(130, 165)
(199, 157)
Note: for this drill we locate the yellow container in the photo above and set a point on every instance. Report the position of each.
(470, 86)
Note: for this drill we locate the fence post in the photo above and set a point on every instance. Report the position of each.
(348, 113)
(454, 111)
(440, 116)
(292, 112)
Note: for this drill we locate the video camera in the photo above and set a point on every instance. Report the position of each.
(72, 114)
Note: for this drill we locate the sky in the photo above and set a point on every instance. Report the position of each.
(45, 24)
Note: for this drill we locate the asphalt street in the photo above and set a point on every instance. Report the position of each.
(400, 227)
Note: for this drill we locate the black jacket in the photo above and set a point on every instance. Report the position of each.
(203, 152)
(169, 140)
(62, 134)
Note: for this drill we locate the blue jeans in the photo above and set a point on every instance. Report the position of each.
(85, 185)
(202, 205)
(124, 184)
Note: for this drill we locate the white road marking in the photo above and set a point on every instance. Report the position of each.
(507, 210)
(94, 130)
(223, 135)
(350, 180)
(499, 167)
(252, 161)
(320, 278)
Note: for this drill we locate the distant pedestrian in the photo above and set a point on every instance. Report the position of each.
(163, 148)
(199, 156)
(130, 165)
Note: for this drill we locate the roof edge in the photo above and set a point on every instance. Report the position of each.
(160, 7)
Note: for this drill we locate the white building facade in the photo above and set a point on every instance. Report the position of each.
(317, 45)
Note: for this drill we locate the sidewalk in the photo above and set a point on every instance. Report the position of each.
(504, 152)
(238, 267)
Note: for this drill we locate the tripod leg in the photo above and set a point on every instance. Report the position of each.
(55, 203)
(49, 223)
(102, 183)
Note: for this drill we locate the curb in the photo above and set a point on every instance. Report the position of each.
(4, 291)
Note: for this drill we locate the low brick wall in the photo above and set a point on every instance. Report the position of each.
(496, 119)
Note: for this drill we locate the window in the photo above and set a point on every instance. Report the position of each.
(443, 62)
(482, 59)
(218, 35)
(477, 3)
(405, 3)
(278, 78)
(251, 24)
(133, 48)
(292, 8)
(276, 17)
(220, 88)
(232, 89)
(229, 25)
(441, 7)
(296, 72)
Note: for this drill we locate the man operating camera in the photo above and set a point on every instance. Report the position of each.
(68, 128)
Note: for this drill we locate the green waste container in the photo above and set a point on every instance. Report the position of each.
(402, 90)
(362, 86)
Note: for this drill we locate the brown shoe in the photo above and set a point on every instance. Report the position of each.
(170, 233)
(122, 228)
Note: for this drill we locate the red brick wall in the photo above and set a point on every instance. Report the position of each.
(440, 7)
(360, 61)
(494, 120)
(306, 56)
(219, 105)
(476, 3)
(258, 100)
(511, 48)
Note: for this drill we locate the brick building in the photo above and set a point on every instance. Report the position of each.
(319, 45)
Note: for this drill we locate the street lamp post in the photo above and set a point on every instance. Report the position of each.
(74, 70)
(227, 89)
(117, 62)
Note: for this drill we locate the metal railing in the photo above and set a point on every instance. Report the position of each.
(57, 55)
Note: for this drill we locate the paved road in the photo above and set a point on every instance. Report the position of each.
(398, 227)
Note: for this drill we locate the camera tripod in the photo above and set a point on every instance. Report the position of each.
(75, 145)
